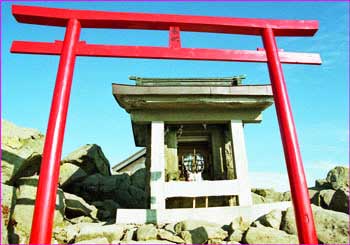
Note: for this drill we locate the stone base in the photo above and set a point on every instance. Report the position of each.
(219, 215)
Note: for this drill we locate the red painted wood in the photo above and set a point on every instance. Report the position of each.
(120, 20)
(174, 37)
(84, 49)
(297, 180)
(45, 202)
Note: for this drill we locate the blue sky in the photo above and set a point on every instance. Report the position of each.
(319, 94)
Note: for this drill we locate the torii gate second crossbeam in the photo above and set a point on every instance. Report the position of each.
(74, 20)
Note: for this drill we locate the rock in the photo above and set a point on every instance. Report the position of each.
(117, 187)
(169, 236)
(129, 235)
(8, 202)
(99, 240)
(272, 219)
(139, 196)
(66, 234)
(315, 198)
(23, 211)
(21, 152)
(148, 242)
(216, 241)
(146, 232)
(90, 158)
(76, 206)
(340, 201)
(322, 184)
(239, 224)
(268, 235)
(270, 195)
(122, 181)
(170, 227)
(338, 177)
(313, 194)
(332, 227)
(70, 173)
(92, 231)
(138, 179)
(326, 198)
(235, 236)
(286, 196)
(197, 227)
(82, 219)
(288, 221)
(257, 199)
(196, 236)
(88, 188)
(106, 209)
(188, 225)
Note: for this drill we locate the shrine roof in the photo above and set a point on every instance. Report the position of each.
(218, 81)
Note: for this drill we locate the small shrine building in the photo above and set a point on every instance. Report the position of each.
(192, 130)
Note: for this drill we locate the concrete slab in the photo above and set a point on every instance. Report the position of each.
(219, 215)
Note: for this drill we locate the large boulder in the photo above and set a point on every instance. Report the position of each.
(322, 184)
(340, 201)
(239, 223)
(8, 201)
(70, 173)
(66, 234)
(326, 197)
(268, 235)
(169, 236)
(199, 229)
(21, 220)
(118, 188)
(270, 195)
(138, 179)
(76, 206)
(90, 158)
(338, 177)
(332, 227)
(195, 236)
(21, 152)
(272, 219)
(146, 232)
(97, 230)
(257, 199)
(236, 229)
(106, 209)
(98, 240)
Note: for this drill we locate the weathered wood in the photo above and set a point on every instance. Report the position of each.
(230, 169)
(156, 82)
(195, 116)
(172, 161)
(217, 152)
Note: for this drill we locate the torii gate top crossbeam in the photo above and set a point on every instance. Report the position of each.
(174, 24)
(120, 20)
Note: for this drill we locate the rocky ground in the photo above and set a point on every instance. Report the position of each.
(89, 195)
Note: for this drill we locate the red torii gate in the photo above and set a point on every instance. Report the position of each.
(74, 20)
